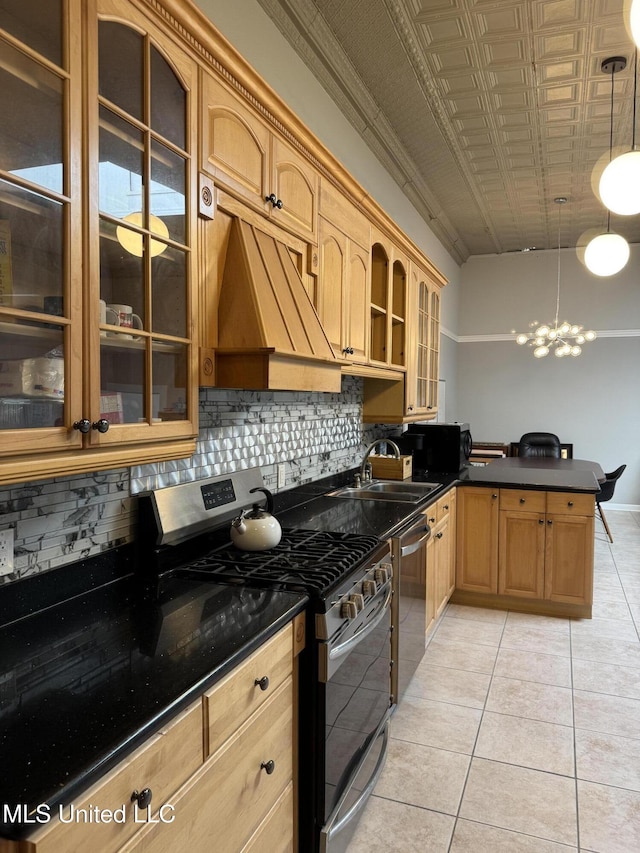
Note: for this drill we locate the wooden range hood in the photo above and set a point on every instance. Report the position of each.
(269, 334)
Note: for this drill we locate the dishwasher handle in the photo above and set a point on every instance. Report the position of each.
(415, 537)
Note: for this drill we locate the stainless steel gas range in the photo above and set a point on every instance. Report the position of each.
(345, 670)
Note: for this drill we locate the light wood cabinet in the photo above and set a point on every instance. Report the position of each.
(412, 396)
(441, 517)
(223, 770)
(477, 539)
(343, 279)
(161, 765)
(388, 306)
(421, 390)
(544, 551)
(101, 208)
(249, 160)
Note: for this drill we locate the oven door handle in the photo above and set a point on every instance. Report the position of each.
(343, 648)
(331, 829)
(406, 550)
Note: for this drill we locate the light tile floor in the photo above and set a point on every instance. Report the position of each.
(520, 733)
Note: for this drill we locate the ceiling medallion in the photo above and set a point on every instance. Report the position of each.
(561, 338)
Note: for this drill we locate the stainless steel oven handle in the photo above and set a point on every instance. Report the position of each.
(406, 550)
(332, 829)
(343, 648)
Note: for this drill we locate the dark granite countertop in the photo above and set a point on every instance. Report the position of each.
(93, 661)
(572, 475)
(85, 680)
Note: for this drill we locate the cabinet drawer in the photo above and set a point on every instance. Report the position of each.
(162, 764)
(223, 804)
(570, 503)
(444, 504)
(522, 500)
(241, 693)
(275, 833)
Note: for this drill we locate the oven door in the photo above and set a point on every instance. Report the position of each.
(357, 709)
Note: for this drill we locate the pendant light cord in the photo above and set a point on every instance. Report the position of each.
(635, 93)
(559, 203)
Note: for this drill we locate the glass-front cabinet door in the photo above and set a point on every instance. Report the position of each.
(143, 260)
(40, 227)
(97, 222)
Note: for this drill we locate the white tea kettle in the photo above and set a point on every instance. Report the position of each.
(257, 529)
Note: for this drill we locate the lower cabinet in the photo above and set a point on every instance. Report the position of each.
(527, 545)
(441, 555)
(218, 777)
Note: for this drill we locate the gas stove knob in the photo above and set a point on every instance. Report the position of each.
(348, 610)
(369, 587)
(358, 599)
(381, 574)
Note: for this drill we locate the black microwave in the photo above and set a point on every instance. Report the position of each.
(442, 448)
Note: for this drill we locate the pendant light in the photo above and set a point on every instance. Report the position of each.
(561, 338)
(620, 181)
(608, 253)
(634, 20)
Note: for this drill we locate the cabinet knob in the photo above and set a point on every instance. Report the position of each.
(83, 425)
(439, 535)
(268, 766)
(276, 202)
(432, 520)
(348, 350)
(541, 521)
(549, 521)
(102, 425)
(410, 408)
(522, 501)
(262, 683)
(142, 798)
(494, 497)
(446, 506)
(569, 503)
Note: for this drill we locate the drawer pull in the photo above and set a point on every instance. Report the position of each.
(522, 501)
(142, 798)
(268, 766)
(570, 503)
(262, 683)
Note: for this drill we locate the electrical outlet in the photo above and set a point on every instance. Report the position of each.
(6, 551)
(281, 474)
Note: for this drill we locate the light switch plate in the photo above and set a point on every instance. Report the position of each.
(281, 474)
(6, 551)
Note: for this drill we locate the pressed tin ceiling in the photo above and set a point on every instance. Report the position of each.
(484, 111)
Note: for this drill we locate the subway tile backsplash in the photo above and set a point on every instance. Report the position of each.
(67, 519)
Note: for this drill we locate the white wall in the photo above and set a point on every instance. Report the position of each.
(593, 400)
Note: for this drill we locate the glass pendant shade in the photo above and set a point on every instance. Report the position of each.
(635, 21)
(620, 184)
(606, 254)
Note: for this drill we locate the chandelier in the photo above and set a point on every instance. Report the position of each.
(561, 338)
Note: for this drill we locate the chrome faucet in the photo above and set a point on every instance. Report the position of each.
(365, 468)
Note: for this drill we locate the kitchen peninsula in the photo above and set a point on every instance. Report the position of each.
(525, 535)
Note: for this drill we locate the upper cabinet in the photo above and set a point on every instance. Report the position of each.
(414, 395)
(388, 306)
(97, 220)
(344, 275)
(422, 370)
(254, 163)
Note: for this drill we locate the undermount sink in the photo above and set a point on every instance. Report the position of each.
(384, 490)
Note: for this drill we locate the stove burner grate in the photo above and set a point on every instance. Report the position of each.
(305, 560)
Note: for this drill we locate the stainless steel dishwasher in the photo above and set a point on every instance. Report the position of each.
(409, 549)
